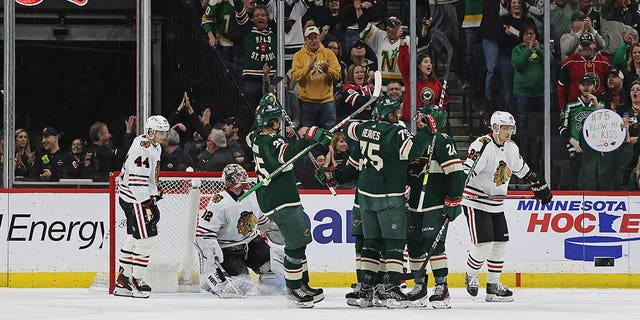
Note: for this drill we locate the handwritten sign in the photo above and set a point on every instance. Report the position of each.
(603, 131)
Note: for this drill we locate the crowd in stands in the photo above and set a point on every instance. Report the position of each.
(332, 48)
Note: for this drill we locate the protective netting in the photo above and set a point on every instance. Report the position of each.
(174, 265)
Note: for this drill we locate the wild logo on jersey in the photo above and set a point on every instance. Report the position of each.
(246, 223)
(426, 95)
(390, 61)
(502, 174)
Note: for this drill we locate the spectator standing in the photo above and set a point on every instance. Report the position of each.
(632, 66)
(489, 27)
(293, 32)
(53, 162)
(260, 43)
(615, 96)
(173, 157)
(101, 158)
(25, 160)
(586, 61)
(586, 6)
(621, 10)
(470, 29)
(315, 69)
(428, 87)
(623, 52)
(561, 12)
(632, 124)
(580, 24)
(386, 45)
(361, 54)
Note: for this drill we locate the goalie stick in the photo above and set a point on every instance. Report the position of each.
(376, 93)
(485, 141)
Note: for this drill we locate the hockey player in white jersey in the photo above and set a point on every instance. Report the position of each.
(229, 242)
(491, 162)
(138, 193)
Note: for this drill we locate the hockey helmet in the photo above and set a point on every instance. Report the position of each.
(434, 111)
(384, 106)
(235, 176)
(156, 123)
(267, 110)
(502, 118)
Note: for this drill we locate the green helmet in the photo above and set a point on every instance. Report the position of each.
(267, 110)
(384, 106)
(434, 111)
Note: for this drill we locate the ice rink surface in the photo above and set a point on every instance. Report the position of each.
(546, 304)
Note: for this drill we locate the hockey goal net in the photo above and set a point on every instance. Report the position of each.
(174, 264)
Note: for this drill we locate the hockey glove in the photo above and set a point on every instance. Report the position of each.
(452, 208)
(431, 123)
(541, 191)
(326, 176)
(318, 135)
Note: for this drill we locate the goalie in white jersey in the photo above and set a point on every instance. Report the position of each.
(138, 194)
(491, 162)
(229, 242)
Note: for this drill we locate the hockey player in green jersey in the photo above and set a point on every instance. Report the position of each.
(440, 200)
(278, 198)
(386, 148)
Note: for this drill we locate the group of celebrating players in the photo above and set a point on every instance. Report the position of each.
(409, 187)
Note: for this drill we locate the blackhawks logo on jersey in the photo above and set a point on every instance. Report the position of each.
(217, 198)
(246, 223)
(502, 174)
(145, 144)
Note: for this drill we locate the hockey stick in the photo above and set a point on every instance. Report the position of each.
(496, 197)
(437, 34)
(374, 97)
(485, 141)
(310, 155)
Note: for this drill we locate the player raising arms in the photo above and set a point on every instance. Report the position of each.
(228, 232)
(429, 209)
(492, 160)
(138, 194)
(386, 149)
(278, 198)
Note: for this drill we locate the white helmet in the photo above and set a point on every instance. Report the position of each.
(156, 123)
(502, 118)
(235, 176)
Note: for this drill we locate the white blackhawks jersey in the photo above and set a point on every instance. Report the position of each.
(139, 175)
(492, 173)
(229, 221)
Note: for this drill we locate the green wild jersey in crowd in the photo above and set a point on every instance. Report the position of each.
(386, 149)
(270, 151)
(573, 115)
(216, 18)
(446, 176)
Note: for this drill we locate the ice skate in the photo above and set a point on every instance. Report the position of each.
(440, 297)
(379, 297)
(316, 293)
(299, 298)
(395, 297)
(123, 289)
(365, 296)
(418, 296)
(139, 288)
(497, 292)
(352, 297)
(472, 284)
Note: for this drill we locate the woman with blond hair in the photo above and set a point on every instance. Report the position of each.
(25, 160)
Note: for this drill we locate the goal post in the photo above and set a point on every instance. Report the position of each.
(174, 265)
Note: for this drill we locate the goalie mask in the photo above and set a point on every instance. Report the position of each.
(384, 106)
(235, 176)
(267, 110)
(502, 118)
(434, 111)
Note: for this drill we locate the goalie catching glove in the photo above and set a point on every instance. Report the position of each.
(326, 176)
(539, 187)
(318, 135)
(452, 208)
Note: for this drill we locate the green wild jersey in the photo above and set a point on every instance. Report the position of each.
(446, 176)
(386, 149)
(574, 114)
(270, 151)
(217, 18)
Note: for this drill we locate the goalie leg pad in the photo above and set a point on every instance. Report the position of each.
(258, 255)
(234, 263)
